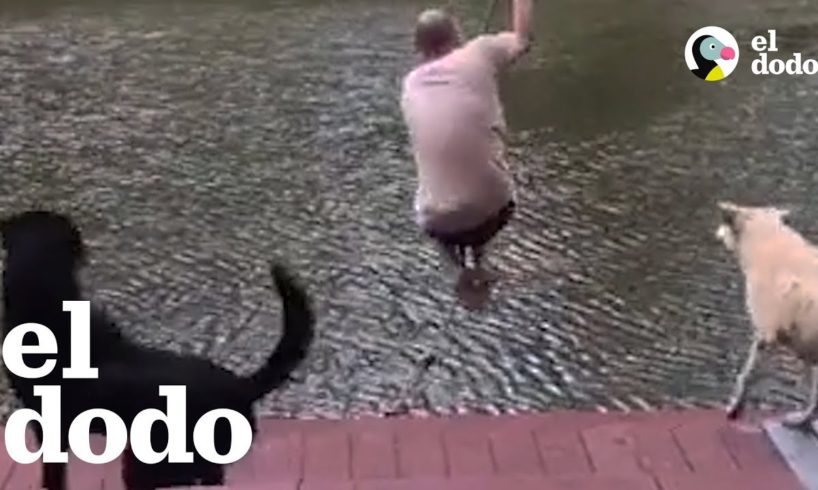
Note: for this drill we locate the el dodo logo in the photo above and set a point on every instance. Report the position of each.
(711, 53)
(763, 65)
(115, 430)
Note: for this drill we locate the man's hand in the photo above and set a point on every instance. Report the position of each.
(522, 18)
(505, 47)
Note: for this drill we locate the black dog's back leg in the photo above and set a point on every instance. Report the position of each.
(54, 476)
(131, 475)
(53, 473)
(213, 475)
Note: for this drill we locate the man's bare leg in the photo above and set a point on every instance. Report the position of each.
(454, 257)
(736, 405)
(482, 271)
(474, 284)
(804, 418)
(477, 255)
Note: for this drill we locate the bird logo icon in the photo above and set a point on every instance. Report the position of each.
(711, 53)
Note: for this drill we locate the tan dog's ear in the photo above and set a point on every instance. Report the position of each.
(782, 212)
(729, 206)
(777, 213)
(730, 213)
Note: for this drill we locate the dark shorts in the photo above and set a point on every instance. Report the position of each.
(481, 234)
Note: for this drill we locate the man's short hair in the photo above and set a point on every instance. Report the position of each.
(436, 32)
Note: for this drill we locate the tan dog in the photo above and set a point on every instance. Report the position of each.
(781, 277)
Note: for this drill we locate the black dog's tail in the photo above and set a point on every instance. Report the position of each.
(299, 322)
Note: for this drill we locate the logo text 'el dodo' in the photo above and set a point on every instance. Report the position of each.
(765, 66)
(117, 436)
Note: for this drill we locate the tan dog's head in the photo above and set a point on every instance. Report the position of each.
(737, 221)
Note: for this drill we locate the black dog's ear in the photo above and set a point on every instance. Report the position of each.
(5, 223)
(78, 246)
(7, 226)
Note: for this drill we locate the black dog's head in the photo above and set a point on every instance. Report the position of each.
(43, 233)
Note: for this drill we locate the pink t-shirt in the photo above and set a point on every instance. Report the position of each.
(456, 125)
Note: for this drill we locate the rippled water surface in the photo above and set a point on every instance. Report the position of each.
(195, 141)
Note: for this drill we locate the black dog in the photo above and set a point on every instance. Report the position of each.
(44, 251)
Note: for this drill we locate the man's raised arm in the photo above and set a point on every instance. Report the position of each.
(522, 21)
(507, 46)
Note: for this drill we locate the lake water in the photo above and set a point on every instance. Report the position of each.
(196, 140)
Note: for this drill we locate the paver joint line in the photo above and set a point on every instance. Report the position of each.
(721, 437)
(492, 456)
(675, 439)
(537, 451)
(447, 464)
(586, 451)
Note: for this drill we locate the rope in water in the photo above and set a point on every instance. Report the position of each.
(489, 15)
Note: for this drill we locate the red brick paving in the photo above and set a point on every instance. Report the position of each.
(686, 450)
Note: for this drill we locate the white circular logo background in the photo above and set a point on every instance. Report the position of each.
(727, 66)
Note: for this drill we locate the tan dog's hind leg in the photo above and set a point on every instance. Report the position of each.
(803, 419)
(736, 405)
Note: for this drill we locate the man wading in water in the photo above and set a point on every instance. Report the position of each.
(452, 109)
